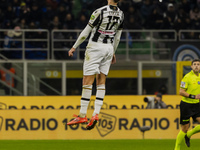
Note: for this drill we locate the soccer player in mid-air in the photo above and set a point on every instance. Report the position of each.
(189, 106)
(105, 26)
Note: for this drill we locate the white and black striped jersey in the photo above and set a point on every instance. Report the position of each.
(105, 21)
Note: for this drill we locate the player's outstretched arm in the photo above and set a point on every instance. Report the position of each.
(117, 39)
(185, 94)
(84, 34)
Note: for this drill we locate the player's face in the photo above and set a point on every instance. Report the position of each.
(157, 98)
(196, 66)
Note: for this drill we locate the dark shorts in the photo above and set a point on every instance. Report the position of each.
(188, 110)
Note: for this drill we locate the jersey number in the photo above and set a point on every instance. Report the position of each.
(112, 20)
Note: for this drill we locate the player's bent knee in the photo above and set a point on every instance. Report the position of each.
(185, 127)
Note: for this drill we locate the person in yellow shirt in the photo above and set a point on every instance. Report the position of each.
(189, 106)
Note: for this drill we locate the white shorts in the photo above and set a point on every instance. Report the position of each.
(98, 57)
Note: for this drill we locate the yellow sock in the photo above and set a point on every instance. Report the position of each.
(193, 131)
(179, 140)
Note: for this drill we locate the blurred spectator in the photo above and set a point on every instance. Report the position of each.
(96, 4)
(171, 1)
(181, 13)
(23, 24)
(7, 24)
(147, 13)
(192, 35)
(198, 3)
(24, 12)
(16, 7)
(37, 35)
(16, 3)
(186, 5)
(48, 14)
(170, 17)
(52, 3)
(4, 4)
(7, 78)
(55, 23)
(40, 3)
(124, 5)
(59, 53)
(182, 22)
(10, 15)
(36, 14)
(195, 17)
(69, 22)
(9, 42)
(32, 25)
(137, 3)
(11, 34)
(28, 3)
(195, 14)
(155, 102)
(68, 4)
(132, 24)
(2, 16)
(155, 20)
(58, 35)
(61, 13)
(37, 48)
(161, 6)
(193, 3)
(162, 89)
(69, 35)
(133, 12)
(186, 24)
(146, 9)
(84, 12)
(139, 14)
(82, 22)
(86, 3)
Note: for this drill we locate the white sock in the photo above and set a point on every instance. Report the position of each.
(85, 99)
(99, 98)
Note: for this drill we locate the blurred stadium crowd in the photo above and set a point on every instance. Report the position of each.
(63, 14)
(74, 14)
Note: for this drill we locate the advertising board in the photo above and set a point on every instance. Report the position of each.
(113, 124)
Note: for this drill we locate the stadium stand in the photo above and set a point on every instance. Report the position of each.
(74, 14)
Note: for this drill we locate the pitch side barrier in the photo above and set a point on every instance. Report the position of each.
(122, 117)
(112, 124)
(73, 102)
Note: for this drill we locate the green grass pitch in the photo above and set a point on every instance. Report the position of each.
(94, 144)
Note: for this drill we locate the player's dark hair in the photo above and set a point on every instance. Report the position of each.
(195, 60)
(116, 1)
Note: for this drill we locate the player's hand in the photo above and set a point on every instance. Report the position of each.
(197, 96)
(71, 51)
(113, 59)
